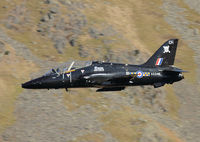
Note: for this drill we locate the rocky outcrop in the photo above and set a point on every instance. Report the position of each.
(2, 49)
(62, 30)
(17, 17)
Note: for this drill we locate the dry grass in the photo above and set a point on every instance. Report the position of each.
(125, 124)
(14, 70)
(130, 126)
(120, 16)
(90, 138)
(190, 14)
(172, 103)
(170, 134)
(5, 7)
(76, 98)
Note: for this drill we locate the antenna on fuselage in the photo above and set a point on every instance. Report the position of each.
(70, 69)
(71, 66)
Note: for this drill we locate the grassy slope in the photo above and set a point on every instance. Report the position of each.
(28, 35)
(124, 124)
(14, 70)
(142, 25)
(90, 138)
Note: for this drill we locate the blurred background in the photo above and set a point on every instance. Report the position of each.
(36, 35)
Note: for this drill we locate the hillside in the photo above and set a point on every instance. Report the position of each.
(37, 35)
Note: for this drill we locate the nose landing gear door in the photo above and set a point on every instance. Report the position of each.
(70, 77)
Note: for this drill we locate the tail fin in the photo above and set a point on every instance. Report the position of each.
(165, 55)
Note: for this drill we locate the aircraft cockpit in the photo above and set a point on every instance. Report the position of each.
(66, 67)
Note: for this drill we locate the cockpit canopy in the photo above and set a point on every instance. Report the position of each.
(68, 66)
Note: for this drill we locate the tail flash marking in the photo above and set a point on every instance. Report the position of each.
(159, 61)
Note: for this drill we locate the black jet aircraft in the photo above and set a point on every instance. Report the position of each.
(105, 76)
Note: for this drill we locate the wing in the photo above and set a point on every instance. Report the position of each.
(110, 89)
(103, 78)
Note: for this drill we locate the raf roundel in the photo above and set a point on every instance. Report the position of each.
(139, 74)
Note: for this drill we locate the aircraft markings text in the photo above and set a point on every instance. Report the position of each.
(98, 68)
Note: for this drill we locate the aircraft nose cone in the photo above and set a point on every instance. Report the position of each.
(27, 85)
(24, 85)
(33, 84)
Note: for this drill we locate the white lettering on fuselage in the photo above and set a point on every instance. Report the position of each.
(156, 73)
(98, 69)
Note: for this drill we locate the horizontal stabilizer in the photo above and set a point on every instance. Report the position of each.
(174, 70)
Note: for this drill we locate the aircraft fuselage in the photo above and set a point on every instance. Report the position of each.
(105, 75)
(157, 71)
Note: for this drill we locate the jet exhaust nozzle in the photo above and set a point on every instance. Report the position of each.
(181, 76)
